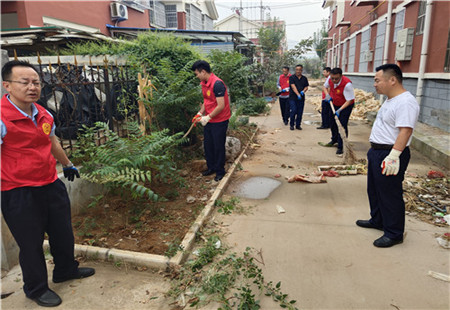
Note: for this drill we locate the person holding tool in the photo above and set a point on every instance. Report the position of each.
(213, 115)
(325, 104)
(34, 201)
(299, 85)
(283, 87)
(342, 95)
(389, 156)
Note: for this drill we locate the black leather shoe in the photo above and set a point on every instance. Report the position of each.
(207, 172)
(367, 224)
(298, 127)
(385, 242)
(48, 299)
(285, 123)
(292, 127)
(218, 178)
(321, 127)
(83, 272)
(339, 152)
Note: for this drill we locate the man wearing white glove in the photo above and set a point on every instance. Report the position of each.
(389, 156)
(215, 113)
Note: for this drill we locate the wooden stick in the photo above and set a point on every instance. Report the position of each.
(349, 154)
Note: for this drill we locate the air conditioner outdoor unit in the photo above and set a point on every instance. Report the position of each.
(118, 11)
(368, 56)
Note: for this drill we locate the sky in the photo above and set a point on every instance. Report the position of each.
(302, 17)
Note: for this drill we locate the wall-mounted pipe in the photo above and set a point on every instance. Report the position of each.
(424, 51)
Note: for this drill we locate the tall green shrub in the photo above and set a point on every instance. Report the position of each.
(231, 68)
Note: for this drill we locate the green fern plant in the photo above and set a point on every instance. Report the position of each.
(131, 163)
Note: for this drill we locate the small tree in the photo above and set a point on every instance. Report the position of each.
(320, 45)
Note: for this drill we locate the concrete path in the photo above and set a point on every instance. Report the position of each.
(323, 260)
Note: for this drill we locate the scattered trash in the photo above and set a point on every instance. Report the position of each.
(364, 102)
(444, 240)
(218, 244)
(280, 209)
(190, 199)
(245, 156)
(330, 173)
(439, 276)
(435, 174)
(277, 175)
(309, 179)
(447, 218)
(427, 199)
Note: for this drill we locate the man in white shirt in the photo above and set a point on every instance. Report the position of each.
(339, 89)
(389, 156)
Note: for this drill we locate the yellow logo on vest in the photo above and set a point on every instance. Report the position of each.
(46, 128)
(338, 91)
(208, 93)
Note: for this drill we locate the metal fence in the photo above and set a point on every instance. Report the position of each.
(83, 90)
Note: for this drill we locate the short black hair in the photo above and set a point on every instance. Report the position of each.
(200, 65)
(392, 70)
(336, 71)
(299, 66)
(328, 69)
(286, 67)
(7, 68)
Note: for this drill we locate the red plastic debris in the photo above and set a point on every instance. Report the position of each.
(435, 175)
(330, 173)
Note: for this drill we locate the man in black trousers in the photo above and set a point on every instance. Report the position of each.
(389, 156)
(34, 201)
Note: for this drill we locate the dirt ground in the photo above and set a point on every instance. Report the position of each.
(151, 227)
(323, 260)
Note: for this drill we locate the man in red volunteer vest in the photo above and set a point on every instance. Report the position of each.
(213, 115)
(342, 94)
(34, 201)
(283, 88)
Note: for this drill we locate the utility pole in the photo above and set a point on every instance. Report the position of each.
(239, 12)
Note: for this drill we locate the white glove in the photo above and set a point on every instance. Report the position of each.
(391, 164)
(205, 119)
(327, 97)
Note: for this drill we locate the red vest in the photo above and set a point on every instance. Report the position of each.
(284, 83)
(210, 101)
(338, 93)
(26, 158)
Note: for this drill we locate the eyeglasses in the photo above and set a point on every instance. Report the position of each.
(36, 84)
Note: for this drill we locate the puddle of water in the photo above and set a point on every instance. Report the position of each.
(257, 188)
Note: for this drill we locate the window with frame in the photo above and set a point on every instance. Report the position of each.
(171, 16)
(399, 22)
(447, 55)
(379, 45)
(195, 18)
(344, 56)
(421, 17)
(157, 13)
(208, 23)
(351, 55)
(365, 42)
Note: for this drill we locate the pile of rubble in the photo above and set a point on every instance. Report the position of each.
(427, 199)
(364, 102)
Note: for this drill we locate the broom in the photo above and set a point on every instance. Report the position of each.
(349, 154)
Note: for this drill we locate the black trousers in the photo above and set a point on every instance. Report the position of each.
(326, 114)
(296, 106)
(285, 108)
(215, 135)
(344, 116)
(30, 212)
(387, 208)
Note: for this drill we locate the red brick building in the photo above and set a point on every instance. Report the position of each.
(414, 34)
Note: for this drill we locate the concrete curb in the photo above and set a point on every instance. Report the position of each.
(160, 261)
